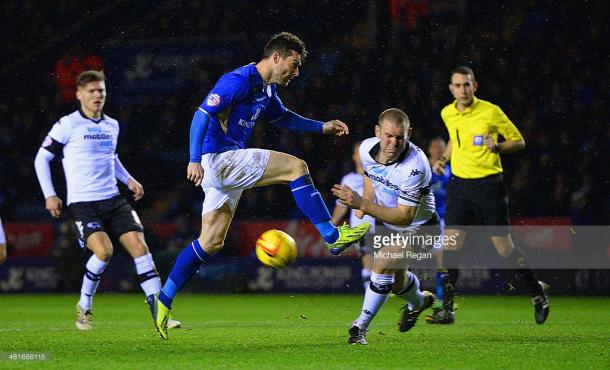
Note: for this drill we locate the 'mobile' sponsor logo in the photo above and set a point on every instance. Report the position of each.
(380, 179)
(98, 137)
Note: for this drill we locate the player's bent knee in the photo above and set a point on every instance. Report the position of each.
(282, 169)
(297, 166)
(104, 254)
(99, 243)
(300, 168)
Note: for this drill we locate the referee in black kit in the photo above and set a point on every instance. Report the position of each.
(476, 190)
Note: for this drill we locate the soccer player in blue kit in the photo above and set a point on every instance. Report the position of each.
(221, 164)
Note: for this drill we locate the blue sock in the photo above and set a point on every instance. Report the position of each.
(311, 204)
(186, 265)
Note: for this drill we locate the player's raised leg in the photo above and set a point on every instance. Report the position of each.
(283, 168)
(99, 243)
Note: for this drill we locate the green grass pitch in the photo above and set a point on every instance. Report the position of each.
(302, 331)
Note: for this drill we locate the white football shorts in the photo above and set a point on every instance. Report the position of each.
(226, 175)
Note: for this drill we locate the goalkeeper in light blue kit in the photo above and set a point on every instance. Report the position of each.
(221, 164)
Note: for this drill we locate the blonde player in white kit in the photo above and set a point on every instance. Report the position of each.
(397, 193)
(87, 140)
(355, 181)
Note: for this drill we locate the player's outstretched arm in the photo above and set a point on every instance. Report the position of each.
(400, 215)
(339, 213)
(294, 122)
(335, 127)
(347, 196)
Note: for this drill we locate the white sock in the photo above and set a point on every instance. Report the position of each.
(411, 293)
(94, 269)
(365, 275)
(147, 273)
(375, 297)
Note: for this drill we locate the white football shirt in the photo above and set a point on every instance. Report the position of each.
(405, 181)
(89, 148)
(356, 182)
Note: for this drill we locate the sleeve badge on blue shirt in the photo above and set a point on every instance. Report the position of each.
(213, 100)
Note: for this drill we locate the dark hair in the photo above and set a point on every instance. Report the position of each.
(89, 76)
(394, 115)
(283, 43)
(463, 70)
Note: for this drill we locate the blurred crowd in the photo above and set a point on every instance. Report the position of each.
(546, 66)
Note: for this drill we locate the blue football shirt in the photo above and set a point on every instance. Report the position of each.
(238, 99)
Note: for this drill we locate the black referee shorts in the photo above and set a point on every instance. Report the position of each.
(478, 202)
(114, 216)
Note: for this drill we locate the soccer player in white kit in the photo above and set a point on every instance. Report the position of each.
(397, 193)
(87, 140)
(355, 181)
